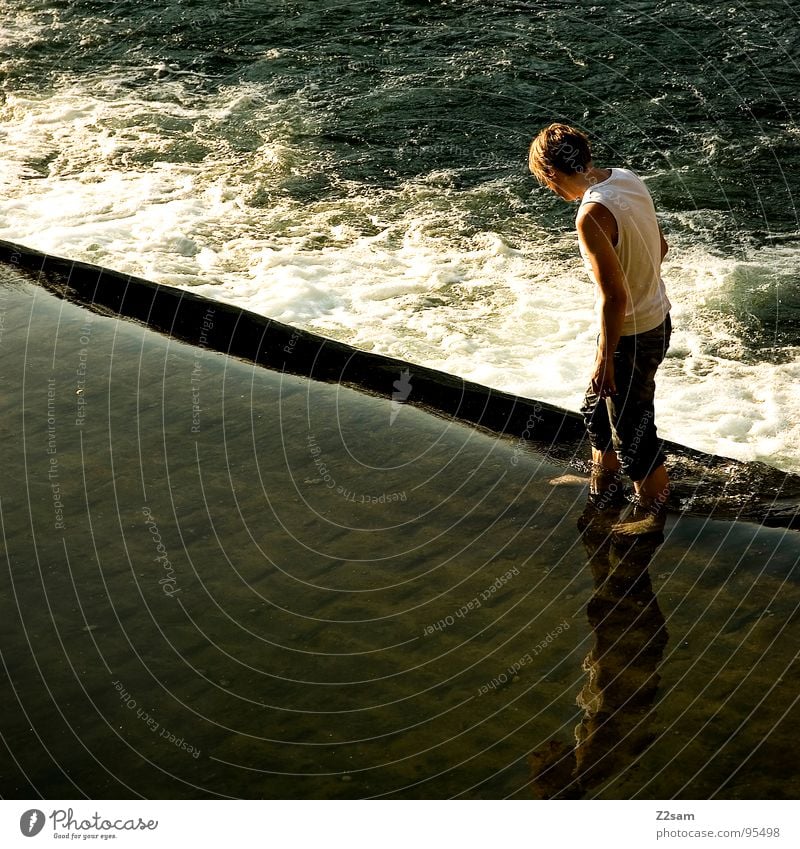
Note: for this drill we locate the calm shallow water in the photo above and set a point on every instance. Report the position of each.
(307, 631)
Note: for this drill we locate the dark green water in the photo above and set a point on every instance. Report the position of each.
(704, 92)
(353, 598)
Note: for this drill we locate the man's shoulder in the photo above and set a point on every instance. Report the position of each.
(596, 224)
(594, 212)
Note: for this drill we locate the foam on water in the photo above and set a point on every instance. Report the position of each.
(155, 188)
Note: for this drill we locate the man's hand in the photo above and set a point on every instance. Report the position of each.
(602, 383)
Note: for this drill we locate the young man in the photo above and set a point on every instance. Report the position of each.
(622, 247)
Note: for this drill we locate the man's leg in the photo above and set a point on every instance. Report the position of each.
(654, 489)
(633, 418)
(605, 471)
(605, 484)
(606, 460)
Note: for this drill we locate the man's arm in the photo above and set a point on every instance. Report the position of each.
(664, 245)
(596, 227)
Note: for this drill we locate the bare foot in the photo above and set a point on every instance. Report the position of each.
(641, 521)
(568, 480)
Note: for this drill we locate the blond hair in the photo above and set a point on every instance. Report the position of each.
(559, 147)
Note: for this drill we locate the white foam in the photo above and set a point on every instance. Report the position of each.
(517, 317)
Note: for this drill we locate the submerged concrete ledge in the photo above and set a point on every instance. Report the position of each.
(704, 484)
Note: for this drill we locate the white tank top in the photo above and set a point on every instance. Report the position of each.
(638, 248)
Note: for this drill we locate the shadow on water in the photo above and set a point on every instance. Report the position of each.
(621, 685)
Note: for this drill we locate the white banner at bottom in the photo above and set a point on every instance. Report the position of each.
(462, 824)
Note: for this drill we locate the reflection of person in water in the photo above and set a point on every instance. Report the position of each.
(630, 636)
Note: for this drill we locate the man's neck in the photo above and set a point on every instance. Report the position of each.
(578, 183)
(596, 175)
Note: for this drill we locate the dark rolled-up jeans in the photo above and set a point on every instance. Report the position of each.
(625, 422)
